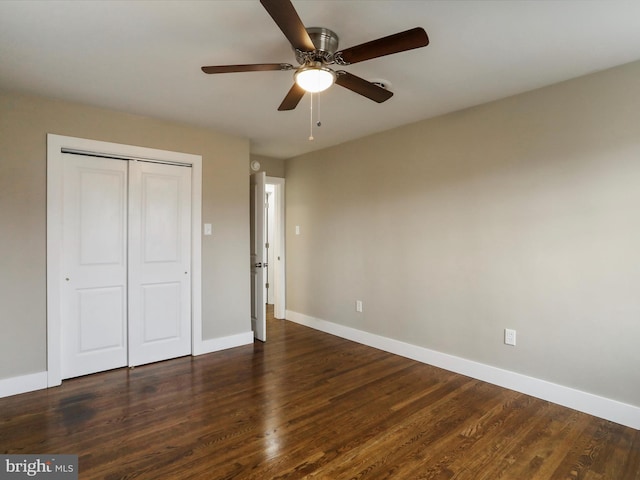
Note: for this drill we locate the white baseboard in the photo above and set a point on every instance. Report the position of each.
(23, 384)
(38, 381)
(613, 410)
(222, 343)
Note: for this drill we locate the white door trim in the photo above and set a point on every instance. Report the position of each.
(279, 267)
(55, 145)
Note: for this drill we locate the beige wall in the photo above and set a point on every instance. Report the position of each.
(273, 167)
(24, 123)
(523, 213)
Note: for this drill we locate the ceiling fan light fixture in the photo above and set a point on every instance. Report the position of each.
(314, 78)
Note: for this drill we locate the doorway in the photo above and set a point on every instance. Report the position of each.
(132, 213)
(266, 200)
(275, 235)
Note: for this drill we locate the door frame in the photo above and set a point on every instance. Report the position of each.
(56, 146)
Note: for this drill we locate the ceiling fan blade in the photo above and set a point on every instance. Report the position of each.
(255, 67)
(292, 98)
(362, 87)
(289, 22)
(399, 42)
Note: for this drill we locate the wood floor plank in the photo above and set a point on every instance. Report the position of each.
(310, 405)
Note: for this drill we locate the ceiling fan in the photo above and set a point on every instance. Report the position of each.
(316, 48)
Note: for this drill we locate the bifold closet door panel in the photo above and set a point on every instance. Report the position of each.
(159, 262)
(94, 260)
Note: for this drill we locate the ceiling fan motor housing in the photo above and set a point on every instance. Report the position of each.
(326, 43)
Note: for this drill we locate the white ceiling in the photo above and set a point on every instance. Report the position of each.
(144, 57)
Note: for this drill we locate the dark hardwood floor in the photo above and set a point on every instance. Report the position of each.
(310, 405)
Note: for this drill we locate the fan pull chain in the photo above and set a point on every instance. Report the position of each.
(318, 122)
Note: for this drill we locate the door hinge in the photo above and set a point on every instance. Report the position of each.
(266, 245)
(267, 284)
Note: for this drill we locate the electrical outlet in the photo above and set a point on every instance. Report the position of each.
(509, 336)
(359, 306)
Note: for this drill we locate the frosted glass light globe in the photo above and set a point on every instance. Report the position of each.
(315, 79)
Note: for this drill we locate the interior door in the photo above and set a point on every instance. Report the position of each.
(159, 262)
(94, 262)
(258, 307)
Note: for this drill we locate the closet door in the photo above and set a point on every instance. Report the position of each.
(94, 265)
(159, 262)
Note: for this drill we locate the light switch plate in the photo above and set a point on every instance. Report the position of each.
(208, 230)
(509, 336)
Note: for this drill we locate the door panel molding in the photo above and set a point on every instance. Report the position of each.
(56, 145)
